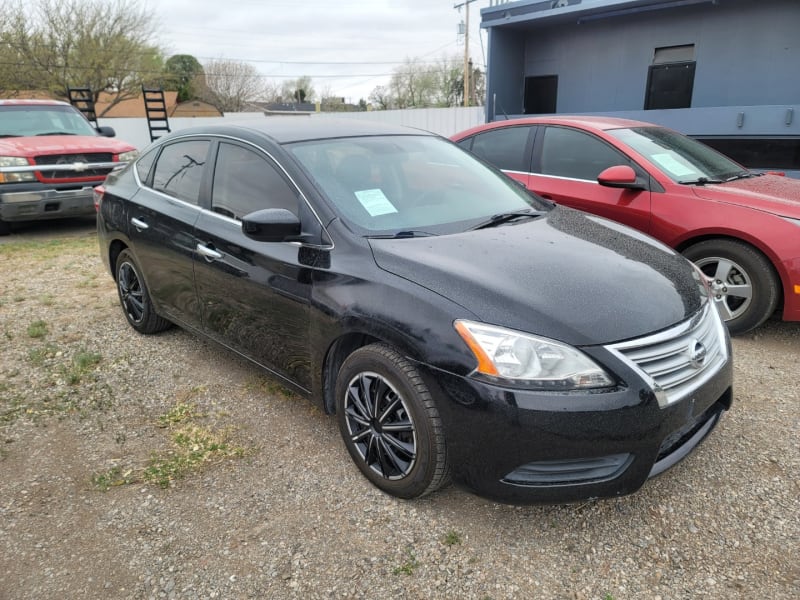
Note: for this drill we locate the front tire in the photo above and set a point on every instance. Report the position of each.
(743, 282)
(134, 297)
(390, 424)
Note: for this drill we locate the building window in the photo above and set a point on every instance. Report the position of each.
(670, 79)
(541, 94)
(759, 153)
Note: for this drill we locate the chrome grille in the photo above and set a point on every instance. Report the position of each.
(678, 360)
(68, 159)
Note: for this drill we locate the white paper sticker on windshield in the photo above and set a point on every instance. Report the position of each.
(375, 202)
(671, 164)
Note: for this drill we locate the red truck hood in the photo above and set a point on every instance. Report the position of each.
(769, 193)
(61, 144)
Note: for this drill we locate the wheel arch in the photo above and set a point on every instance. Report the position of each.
(115, 248)
(338, 351)
(756, 245)
(356, 334)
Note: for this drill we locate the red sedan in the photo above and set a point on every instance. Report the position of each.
(741, 228)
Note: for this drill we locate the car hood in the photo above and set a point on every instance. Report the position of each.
(61, 144)
(566, 275)
(769, 193)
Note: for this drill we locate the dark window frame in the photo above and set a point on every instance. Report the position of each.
(536, 167)
(661, 99)
(198, 201)
(549, 100)
(780, 153)
(527, 152)
(269, 163)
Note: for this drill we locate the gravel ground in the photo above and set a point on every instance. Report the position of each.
(291, 517)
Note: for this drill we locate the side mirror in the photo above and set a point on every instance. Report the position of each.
(106, 131)
(272, 225)
(620, 176)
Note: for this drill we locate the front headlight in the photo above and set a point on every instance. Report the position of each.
(505, 355)
(128, 156)
(9, 162)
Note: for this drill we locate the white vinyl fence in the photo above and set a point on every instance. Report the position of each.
(444, 121)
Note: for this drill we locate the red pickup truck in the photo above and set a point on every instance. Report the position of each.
(50, 159)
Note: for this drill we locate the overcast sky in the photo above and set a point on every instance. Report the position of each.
(346, 46)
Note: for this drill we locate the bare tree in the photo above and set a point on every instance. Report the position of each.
(106, 45)
(232, 84)
(381, 98)
(298, 90)
(418, 85)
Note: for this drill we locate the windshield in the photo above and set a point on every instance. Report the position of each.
(30, 120)
(682, 159)
(409, 183)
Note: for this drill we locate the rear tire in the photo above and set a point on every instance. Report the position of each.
(134, 297)
(744, 284)
(390, 424)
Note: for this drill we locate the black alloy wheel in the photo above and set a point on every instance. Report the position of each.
(390, 424)
(134, 297)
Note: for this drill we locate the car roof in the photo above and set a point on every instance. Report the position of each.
(302, 128)
(31, 102)
(583, 121)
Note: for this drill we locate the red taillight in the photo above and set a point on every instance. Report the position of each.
(98, 197)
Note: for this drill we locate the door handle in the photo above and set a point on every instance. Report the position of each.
(208, 253)
(139, 224)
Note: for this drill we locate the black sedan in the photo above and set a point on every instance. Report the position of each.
(457, 326)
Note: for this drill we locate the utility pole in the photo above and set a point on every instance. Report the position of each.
(466, 4)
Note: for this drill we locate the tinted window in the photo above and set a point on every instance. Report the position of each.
(245, 182)
(670, 86)
(179, 169)
(759, 153)
(504, 147)
(541, 95)
(578, 155)
(144, 164)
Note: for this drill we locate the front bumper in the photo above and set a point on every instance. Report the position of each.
(39, 204)
(523, 446)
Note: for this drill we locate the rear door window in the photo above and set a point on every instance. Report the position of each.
(179, 169)
(505, 147)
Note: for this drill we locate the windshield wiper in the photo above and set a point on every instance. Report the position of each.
(55, 133)
(410, 233)
(740, 175)
(700, 181)
(507, 217)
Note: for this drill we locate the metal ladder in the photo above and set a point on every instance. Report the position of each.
(155, 108)
(82, 99)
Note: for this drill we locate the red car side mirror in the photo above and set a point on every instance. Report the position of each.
(620, 176)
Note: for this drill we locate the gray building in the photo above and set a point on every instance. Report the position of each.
(724, 71)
